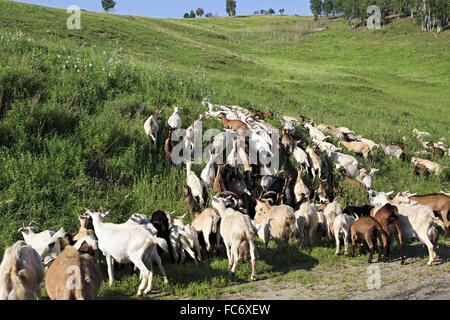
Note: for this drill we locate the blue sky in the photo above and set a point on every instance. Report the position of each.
(176, 8)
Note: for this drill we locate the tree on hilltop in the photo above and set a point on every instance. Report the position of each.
(108, 5)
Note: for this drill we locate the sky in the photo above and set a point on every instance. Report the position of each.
(177, 8)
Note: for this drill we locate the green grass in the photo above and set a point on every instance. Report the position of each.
(73, 104)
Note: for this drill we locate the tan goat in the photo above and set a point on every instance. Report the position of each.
(357, 147)
(232, 124)
(74, 275)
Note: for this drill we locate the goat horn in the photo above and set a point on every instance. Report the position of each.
(32, 222)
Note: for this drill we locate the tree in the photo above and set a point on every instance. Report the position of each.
(192, 14)
(208, 15)
(328, 7)
(338, 7)
(262, 11)
(281, 11)
(186, 15)
(231, 7)
(256, 12)
(108, 5)
(199, 12)
(316, 8)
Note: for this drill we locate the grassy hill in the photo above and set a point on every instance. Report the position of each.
(73, 104)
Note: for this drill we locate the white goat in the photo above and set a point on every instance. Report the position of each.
(315, 133)
(21, 273)
(341, 225)
(195, 183)
(207, 223)
(301, 156)
(125, 243)
(175, 119)
(151, 126)
(46, 243)
(278, 222)
(366, 179)
(307, 222)
(209, 172)
(235, 228)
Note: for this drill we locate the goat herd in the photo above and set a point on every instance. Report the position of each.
(240, 210)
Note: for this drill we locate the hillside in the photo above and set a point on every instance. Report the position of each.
(73, 103)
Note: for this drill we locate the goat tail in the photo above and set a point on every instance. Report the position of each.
(162, 243)
(250, 229)
(214, 224)
(439, 223)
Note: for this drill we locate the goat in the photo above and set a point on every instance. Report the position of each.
(127, 243)
(161, 223)
(307, 222)
(357, 147)
(371, 144)
(301, 191)
(389, 219)
(46, 243)
(151, 126)
(368, 229)
(21, 273)
(175, 120)
(415, 221)
(318, 164)
(209, 172)
(393, 151)
(278, 222)
(189, 200)
(301, 156)
(321, 194)
(84, 233)
(342, 225)
(420, 134)
(430, 165)
(331, 211)
(232, 124)
(74, 275)
(188, 238)
(438, 202)
(207, 223)
(315, 133)
(195, 183)
(235, 228)
(331, 130)
(168, 146)
(366, 179)
(287, 141)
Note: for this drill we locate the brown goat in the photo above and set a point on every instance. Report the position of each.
(73, 275)
(232, 124)
(438, 202)
(168, 146)
(189, 200)
(287, 141)
(389, 219)
(368, 229)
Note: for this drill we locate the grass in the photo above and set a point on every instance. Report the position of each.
(73, 104)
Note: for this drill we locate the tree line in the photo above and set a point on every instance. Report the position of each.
(430, 14)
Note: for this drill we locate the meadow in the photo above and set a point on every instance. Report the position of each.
(73, 104)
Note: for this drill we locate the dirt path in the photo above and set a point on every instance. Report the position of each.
(414, 280)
